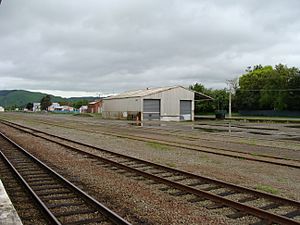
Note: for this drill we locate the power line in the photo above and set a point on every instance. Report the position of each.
(291, 89)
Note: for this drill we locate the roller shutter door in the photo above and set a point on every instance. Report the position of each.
(185, 109)
(151, 109)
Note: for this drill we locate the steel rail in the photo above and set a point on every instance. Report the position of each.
(191, 137)
(44, 208)
(216, 181)
(165, 132)
(180, 145)
(112, 216)
(204, 194)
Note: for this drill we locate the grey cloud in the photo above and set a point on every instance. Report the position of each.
(119, 45)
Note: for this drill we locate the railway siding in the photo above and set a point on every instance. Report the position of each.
(59, 199)
(281, 161)
(176, 178)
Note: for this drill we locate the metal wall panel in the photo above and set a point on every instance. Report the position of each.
(185, 109)
(170, 100)
(151, 116)
(151, 105)
(122, 105)
(169, 107)
(151, 109)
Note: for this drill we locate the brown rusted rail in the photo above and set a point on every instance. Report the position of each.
(48, 189)
(160, 174)
(275, 160)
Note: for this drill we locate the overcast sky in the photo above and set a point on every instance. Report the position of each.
(74, 47)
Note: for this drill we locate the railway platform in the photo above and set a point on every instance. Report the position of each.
(8, 214)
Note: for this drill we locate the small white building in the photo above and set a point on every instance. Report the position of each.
(1, 109)
(83, 109)
(167, 104)
(54, 107)
(66, 108)
(36, 107)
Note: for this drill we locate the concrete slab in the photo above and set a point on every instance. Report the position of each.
(8, 214)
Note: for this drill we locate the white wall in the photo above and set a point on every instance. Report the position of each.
(124, 104)
(170, 102)
(119, 108)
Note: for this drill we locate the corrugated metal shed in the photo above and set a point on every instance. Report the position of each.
(164, 103)
(151, 91)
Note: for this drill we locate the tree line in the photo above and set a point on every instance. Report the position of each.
(260, 88)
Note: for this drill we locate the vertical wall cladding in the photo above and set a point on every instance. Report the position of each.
(185, 109)
(170, 102)
(151, 109)
(164, 105)
(123, 108)
(122, 104)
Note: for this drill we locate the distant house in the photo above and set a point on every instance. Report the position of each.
(95, 107)
(55, 107)
(36, 107)
(83, 109)
(66, 108)
(1, 109)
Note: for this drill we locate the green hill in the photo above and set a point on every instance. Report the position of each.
(20, 98)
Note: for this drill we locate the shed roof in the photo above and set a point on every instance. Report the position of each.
(95, 102)
(151, 91)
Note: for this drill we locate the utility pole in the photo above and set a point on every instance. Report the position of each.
(229, 103)
(233, 84)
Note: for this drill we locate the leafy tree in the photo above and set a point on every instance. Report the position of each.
(220, 101)
(11, 108)
(293, 95)
(268, 88)
(80, 103)
(29, 106)
(260, 88)
(198, 87)
(64, 103)
(46, 102)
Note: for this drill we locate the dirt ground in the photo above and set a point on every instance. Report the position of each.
(141, 202)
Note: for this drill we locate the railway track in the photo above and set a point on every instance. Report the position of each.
(242, 202)
(60, 201)
(280, 161)
(23, 203)
(180, 132)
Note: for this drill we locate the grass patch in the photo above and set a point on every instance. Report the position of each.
(171, 165)
(267, 188)
(254, 154)
(83, 115)
(283, 180)
(158, 146)
(248, 142)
